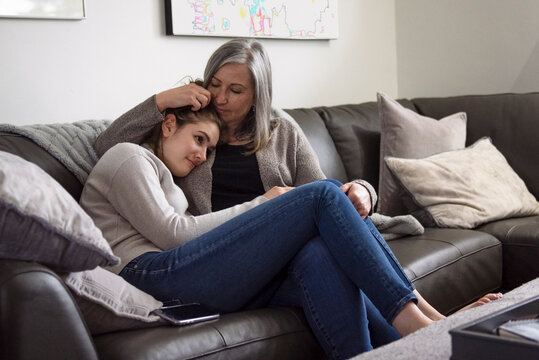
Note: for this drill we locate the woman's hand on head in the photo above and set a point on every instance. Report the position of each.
(359, 196)
(276, 191)
(187, 95)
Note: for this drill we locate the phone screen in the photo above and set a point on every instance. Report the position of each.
(185, 314)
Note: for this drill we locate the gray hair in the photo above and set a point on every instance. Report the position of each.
(257, 124)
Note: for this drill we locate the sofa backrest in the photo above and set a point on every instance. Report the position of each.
(30, 151)
(354, 131)
(510, 120)
(346, 138)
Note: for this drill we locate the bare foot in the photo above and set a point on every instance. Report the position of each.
(410, 319)
(484, 300)
(427, 309)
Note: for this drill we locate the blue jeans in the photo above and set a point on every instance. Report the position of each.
(336, 266)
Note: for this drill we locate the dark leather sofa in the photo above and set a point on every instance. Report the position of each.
(450, 267)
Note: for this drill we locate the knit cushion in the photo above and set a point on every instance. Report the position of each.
(463, 188)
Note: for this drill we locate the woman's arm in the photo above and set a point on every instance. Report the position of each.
(143, 193)
(134, 125)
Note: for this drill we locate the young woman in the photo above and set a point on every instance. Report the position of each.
(312, 247)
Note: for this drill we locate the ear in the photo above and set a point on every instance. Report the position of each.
(168, 126)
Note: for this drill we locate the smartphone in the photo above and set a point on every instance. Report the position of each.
(185, 314)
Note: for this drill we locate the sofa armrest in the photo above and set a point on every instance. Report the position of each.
(38, 316)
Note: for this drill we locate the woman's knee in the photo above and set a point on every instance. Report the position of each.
(333, 181)
(314, 253)
(326, 185)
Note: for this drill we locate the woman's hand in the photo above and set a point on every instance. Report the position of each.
(187, 95)
(360, 198)
(276, 191)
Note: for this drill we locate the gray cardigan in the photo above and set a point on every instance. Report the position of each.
(287, 160)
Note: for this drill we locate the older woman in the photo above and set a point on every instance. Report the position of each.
(264, 151)
(257, 154)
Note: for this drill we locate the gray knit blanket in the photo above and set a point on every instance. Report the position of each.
(394, 227)
(72, 145)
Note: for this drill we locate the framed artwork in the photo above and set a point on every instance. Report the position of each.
(43, 9)
(283, 19)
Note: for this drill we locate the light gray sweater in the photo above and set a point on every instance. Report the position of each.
(131, 196)
(288, 160)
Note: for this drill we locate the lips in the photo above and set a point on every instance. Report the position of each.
(192, 164)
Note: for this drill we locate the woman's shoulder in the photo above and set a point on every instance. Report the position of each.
(286, 129)
(126, 160)
(285, 125)
(123, 153)
(125, 150)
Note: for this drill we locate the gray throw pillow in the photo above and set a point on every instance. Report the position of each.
(463, 188)
(109, 303)
(40, 221)
(406, 134)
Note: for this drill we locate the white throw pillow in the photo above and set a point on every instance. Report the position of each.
(109, 303)
(406, 134)
(40, 221)
(463, 188)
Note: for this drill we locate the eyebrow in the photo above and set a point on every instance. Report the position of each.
(205, 135)
(237, 84)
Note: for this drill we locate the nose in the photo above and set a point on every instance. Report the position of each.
(201, 156)
(219, 97)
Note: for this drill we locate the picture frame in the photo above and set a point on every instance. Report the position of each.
(43, 9)
(273, 19)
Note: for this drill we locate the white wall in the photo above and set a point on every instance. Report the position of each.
(97, 68)
(457, 47)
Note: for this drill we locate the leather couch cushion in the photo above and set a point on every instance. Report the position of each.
(510, 120)
(355, 129)
(359, 158)
(451, 266)
(38, 317)
(520, 242)
(272, 333)
(319, 138)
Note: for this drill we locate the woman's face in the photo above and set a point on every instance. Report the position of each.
(232, 93)
(184, 148)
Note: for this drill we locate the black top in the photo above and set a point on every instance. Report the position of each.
(236, 177)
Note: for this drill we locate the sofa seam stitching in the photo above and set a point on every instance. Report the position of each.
(456, 260)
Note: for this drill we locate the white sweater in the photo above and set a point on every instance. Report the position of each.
(131, 196)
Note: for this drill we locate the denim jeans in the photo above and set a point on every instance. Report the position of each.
(336, 266)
